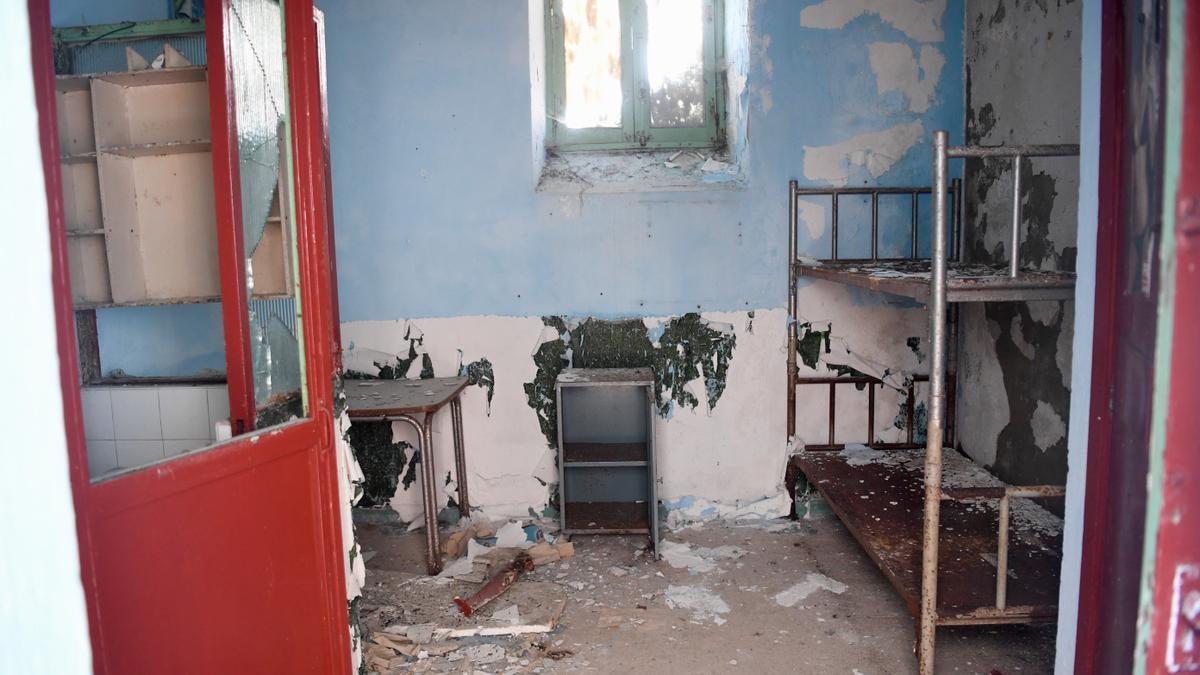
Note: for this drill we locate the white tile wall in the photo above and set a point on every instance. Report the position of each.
(129, 426)
(184, 412)
(135, 414)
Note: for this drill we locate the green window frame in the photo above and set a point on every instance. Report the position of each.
(635, 132)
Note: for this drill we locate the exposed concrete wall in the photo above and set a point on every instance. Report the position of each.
(1022, 61)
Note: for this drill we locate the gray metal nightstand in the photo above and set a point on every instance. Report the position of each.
(606, 465)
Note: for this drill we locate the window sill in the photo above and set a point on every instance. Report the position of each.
(578, 173)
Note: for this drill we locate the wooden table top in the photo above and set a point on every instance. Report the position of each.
(375, 398)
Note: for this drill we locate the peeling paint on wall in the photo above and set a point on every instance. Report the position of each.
(1015, 358)
(920, 20)
(873, 153)
(1048, 426)
(897, 68)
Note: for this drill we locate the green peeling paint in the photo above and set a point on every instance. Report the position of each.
(810, 343)
(481, 374)
(550, 358)
(687, 349)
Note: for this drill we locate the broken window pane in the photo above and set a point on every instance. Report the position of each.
(675, 62)
(592, 54)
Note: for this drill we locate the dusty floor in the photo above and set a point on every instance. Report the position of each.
(618, 619)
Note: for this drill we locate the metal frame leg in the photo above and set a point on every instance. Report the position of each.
(433, 547)
(424, 429)
(937, 404)
(791, 305)
(460, 456)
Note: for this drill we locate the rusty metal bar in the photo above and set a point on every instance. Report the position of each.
(959, 214)
(1014, 257)
(916, 217)
(1002, 557)
(791, 305)
(834, 223)
(909, 410)
(1054, 150)
(952, 376)
(870, 413)
(429, 492)
(875, 225)
(823, 447)
(827, 191)
(460, 457)
(1000, 492)
(832, 409)
(937, 403)
(849, 379)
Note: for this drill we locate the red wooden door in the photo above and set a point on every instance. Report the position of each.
(227, 559)
(1170, 635)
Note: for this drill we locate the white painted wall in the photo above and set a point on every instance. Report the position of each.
(1081, 349)
(730, 456)
(43, 620)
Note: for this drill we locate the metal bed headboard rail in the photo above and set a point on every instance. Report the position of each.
(1016, 153)
(796, 193)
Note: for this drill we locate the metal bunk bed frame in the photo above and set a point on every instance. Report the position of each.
(937, 290)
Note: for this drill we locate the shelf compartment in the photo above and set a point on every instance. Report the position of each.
(160, 224)
(589, 453)
(73, 106)
(608, 518)
(81, 194)
(150, 106)
(964, 283)
(88, 263)
(879, 496)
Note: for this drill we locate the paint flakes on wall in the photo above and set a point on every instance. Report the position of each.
(480, 374)
(810, 343)
(683, 352)
(551, 356)
(813, 216)
(920, 20)
(873, 152)
(897, 68)
(1048, 426)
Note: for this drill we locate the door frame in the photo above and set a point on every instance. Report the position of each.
(93, 501)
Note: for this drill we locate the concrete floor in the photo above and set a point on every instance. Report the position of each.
(617, 619)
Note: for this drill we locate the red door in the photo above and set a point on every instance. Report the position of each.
(1170, 635)
(227, 559)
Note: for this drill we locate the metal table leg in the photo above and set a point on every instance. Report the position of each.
(433, 558)
(460, 457)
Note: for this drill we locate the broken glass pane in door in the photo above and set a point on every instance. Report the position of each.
(256, 32)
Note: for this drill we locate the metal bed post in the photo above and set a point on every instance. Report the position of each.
(937, 402)
(791, 304)
(1014, 257)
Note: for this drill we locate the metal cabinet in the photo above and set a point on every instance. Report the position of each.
(606, 465)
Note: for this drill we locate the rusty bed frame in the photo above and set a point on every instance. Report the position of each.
(937, 286)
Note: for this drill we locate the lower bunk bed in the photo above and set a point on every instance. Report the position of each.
(879, 496)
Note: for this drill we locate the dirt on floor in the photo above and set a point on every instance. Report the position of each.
(775, 597)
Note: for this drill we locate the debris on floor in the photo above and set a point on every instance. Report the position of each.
(495, 587)
(770, 594)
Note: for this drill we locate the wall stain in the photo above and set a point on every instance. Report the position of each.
(687, 348)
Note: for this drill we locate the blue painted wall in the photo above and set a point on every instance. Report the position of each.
(436, 214)
(83, 12)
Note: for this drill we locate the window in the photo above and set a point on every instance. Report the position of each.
(634, 74)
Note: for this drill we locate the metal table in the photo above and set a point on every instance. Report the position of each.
(402, 401)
